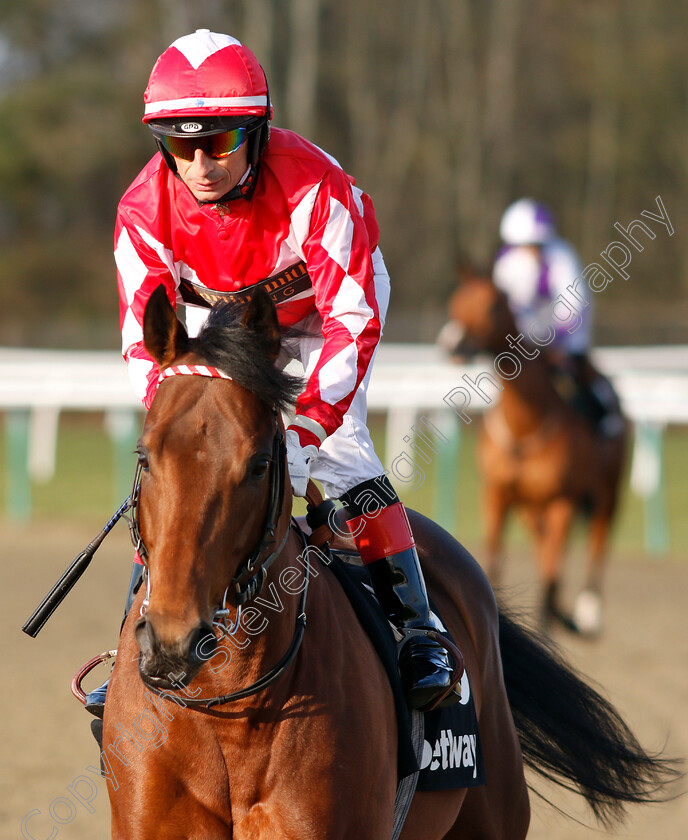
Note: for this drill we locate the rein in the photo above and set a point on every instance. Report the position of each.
(249, 579)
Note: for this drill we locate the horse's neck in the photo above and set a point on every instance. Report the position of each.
(530, 399)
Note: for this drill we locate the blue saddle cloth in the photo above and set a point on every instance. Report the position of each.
(452, 752)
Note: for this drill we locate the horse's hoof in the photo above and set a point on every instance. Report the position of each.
(587, 613)
(552, 614)
(567, 621)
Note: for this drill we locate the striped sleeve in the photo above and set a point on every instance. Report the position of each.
(142, 265)
(337, 247)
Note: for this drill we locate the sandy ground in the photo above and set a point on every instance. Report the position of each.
(640, 663)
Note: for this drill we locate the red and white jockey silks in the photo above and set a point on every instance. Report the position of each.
(305, 208)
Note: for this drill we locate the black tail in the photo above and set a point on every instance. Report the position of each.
(573, 736)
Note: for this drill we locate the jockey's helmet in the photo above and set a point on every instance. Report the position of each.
(527, 222)
(207, 84)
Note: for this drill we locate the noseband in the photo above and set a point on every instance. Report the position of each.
(249, 579)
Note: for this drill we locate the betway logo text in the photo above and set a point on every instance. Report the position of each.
(450, 751)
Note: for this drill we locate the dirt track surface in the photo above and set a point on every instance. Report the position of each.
(640, 663)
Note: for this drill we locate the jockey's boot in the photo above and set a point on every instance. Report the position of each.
(589, 393)
(95, 700)
(386, 545)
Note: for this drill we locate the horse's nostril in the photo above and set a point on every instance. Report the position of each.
(145, 636)
(176, 660)
(202, 643)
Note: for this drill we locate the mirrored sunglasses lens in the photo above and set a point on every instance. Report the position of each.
(215, 146)
(180, 147)
(224, 144)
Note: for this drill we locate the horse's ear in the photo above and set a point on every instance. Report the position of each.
(260, 317)
(164, 335)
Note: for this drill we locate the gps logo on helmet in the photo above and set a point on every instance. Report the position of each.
(191, 127)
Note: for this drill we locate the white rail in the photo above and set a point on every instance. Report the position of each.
(408, 380)
(652, 381)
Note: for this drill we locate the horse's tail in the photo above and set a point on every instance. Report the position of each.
(573, 736)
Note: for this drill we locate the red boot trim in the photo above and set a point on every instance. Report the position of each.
(381, 536)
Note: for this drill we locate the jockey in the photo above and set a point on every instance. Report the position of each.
(540, 274)
(230, 203)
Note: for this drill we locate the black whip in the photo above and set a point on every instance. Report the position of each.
(69, 577)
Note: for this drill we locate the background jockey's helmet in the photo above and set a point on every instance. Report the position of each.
(215, 80)
(527, 222)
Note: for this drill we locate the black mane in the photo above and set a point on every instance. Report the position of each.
(225, 343)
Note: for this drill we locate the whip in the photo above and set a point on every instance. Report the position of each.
(70, 576)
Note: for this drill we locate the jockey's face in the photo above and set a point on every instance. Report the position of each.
(209, 179)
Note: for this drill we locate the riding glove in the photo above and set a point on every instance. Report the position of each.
(299, 459)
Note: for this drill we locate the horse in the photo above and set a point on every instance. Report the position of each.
(538, 455)
(279, 722)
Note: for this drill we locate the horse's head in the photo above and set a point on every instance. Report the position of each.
(483, 316)
(208, 454)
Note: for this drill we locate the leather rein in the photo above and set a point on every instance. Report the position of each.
(249, 579)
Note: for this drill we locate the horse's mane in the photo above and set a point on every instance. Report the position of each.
(243, 354)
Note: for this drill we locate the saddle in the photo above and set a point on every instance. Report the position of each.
(588, 393)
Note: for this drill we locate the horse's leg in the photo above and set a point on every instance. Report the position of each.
(433, 814)
(557, 523)
(499, 810)
(588, 606)
(495, 507)
(587, 612)
(533, 520)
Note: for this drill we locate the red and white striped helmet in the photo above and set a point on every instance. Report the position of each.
(206, 74)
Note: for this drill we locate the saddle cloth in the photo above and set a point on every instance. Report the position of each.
(452, 753)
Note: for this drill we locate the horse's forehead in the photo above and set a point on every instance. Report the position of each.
(190, 404)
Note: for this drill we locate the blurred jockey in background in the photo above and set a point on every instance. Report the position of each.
(541, 275)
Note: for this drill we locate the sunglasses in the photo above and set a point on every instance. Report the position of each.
(216, 146)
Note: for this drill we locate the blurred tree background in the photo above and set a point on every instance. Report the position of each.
(443, 110)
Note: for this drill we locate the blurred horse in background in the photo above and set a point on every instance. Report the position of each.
(537, 454)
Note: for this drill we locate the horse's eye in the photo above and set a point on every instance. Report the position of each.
(260, 467)
(142, 458)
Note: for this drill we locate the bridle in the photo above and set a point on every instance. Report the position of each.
(250, 576)
(249, 579)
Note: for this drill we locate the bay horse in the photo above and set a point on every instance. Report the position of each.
(274, 725)
(537, 455)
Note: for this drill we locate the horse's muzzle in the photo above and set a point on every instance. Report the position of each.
(166, 665)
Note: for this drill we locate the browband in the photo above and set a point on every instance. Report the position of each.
(192, 370)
